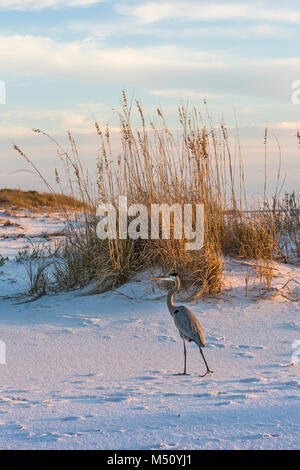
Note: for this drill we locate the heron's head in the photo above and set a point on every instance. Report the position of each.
(169, 277)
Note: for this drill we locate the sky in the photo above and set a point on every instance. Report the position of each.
(64, 61)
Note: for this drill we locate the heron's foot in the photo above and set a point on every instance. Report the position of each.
(208, 372)
(181, 373)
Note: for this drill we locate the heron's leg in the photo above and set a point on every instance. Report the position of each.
(208, 371)
(184, 350)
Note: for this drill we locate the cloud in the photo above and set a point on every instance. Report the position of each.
(185, 94)
(44, 4)
(40, 56)
(163, 67)
(12, 130)
(287, 125)
(79, 119)
(150, 12)
(121, 29)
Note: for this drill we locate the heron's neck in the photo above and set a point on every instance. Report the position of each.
(171, 294)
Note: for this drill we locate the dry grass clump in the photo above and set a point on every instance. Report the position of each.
(252, 238)
(84, 258)
(192, 164)
(290, 212)
(35, 200)
(36, 259)
(158, 165)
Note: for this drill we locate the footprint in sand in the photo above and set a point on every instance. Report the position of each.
(292, 397)
(215, 345)
(215, 337)
(72, 418)
(13, 400)
(90, 374)
(259, 436)
(250, 380)
(166, 339)
(247, 346)
(224, 403)
(293, 325)
(215, 341)
(146, 377)
(244, 355)
(116, 397)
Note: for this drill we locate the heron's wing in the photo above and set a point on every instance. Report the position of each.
(188, 325)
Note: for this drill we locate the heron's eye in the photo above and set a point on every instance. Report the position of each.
(174, 274)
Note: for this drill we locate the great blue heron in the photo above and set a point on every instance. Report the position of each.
(185, 321)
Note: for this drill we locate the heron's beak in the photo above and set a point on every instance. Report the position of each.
(161, 278)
